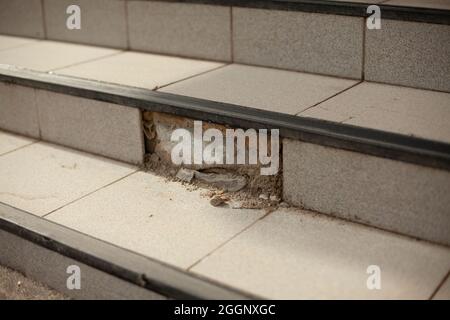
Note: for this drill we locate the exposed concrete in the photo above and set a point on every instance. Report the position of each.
(158, 128)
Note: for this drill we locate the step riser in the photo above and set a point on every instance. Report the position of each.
(402, 197)
(102, 128)
(403, 52)
(50, 267)
(392, 195)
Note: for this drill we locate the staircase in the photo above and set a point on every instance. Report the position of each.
(362, 114)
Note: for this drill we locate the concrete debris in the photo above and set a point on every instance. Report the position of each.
(263, 196)
(185, 175)
(274, 198)
(225, 182)
(218, 201)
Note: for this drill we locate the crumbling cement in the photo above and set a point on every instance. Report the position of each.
(238, 186)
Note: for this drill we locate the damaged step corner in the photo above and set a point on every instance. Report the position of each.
(232, 184)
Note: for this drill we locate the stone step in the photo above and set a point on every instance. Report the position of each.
(323, 37)
(371, 153)
(144, 236)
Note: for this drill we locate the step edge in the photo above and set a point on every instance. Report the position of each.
(356, 9)
(373, 142)
(136, 269)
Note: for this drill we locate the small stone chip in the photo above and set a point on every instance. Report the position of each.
(218, 201)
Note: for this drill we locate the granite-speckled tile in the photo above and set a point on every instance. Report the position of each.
(18, 111)
(393, 195)
(182, 29)
(22, 18)
(102, 128)
(103, 22)
(317, 43)
(409, 53)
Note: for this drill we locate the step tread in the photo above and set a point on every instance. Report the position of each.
(48, 55)
(412, 112)
(9, 42)
(10, 142)
(306, 255)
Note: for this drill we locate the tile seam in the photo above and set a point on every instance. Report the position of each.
(89, 194)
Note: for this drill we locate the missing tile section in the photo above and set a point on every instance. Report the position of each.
(234, 185)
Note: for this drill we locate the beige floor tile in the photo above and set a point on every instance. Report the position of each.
(262, 88)
(297, 255)
(444, 291)
(414, 112)
(43, 177)
(9, 42)
(140, 69)
(10, 142)
(155, 217)
(50, 55)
